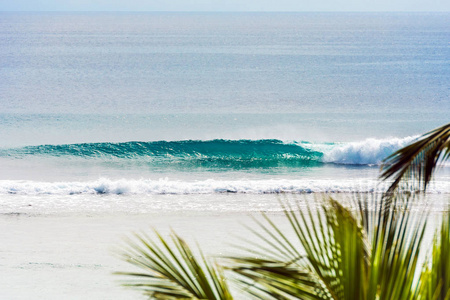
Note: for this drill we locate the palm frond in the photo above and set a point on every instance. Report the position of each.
(172, 271)
(335, 257)
(416, 162)
(277, 280)
(329, 263)
(396, 246)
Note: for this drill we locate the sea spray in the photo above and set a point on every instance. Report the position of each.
(368, 152)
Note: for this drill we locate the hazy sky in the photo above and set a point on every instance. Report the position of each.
(224, 5)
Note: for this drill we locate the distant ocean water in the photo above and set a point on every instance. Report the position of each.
(142, 104)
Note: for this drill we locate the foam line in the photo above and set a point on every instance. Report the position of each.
(210, 186)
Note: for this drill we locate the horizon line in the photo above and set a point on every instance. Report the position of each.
(225, 11)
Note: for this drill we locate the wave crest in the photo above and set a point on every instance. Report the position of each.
(367, 152)
(234, 154)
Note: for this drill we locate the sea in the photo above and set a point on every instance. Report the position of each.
(156, 112)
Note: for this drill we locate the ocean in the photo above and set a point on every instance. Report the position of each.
(114, 107)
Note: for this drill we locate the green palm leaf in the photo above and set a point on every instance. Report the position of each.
(172, 271)
(276, 279)
(337, 257)
(418, 160)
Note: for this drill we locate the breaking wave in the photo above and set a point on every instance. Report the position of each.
(222, 153)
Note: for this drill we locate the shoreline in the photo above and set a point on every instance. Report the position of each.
(71, 255)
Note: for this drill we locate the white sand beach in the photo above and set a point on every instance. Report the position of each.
(72, 255)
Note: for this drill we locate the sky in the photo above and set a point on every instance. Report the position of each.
(225, 5)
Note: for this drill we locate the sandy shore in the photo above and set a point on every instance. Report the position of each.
(73, 255)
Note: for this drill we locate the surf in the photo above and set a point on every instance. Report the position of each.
(165, 186)
(220, 153)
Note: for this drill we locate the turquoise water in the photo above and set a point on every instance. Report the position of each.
(207, 103)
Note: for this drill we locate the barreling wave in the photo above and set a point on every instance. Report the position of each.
(209, 186)
(223, 153)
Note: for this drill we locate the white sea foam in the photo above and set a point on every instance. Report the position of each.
(368, 152)
(210, 186)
